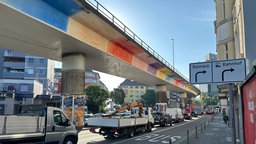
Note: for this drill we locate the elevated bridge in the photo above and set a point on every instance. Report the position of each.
(83, 34)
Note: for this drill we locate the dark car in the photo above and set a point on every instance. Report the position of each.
(187, 116)
(193, 114)
(162, 119)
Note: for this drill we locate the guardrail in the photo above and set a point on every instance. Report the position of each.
(101, 9)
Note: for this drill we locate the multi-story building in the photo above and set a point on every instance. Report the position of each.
(17, 79)
(133, 90)
(235, 35)
(41, 69)
(57, 80)
(91, 77)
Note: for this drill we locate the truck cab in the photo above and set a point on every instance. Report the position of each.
(59, 127)
(147, 112)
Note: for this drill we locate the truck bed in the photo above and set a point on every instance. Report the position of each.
(116, 122)
(21, 124)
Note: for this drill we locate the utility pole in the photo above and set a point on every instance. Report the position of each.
(172, 52)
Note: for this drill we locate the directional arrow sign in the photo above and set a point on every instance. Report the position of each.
(228, 71)
(200, 73)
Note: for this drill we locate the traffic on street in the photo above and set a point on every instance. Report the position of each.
(177, 133)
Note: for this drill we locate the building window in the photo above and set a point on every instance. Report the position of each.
(41, 61)
(24, 88)
(41, 71)
(2, 98)
(10, 87)
(30, 60)
(131, 96)
(136, 87)
(30, 71)
(226, 48)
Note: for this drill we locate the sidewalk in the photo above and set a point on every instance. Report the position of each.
(217, 132)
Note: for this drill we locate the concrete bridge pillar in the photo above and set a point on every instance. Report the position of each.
(72, 87)
(73, 69)
(161, 93)
(183, 97)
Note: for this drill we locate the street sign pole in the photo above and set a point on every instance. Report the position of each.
(232, 120)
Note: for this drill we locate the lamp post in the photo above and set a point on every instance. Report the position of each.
(172, 52)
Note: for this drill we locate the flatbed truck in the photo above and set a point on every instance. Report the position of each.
(140, 120)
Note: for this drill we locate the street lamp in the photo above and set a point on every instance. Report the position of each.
(172, 52)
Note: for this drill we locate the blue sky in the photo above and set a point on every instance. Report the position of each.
(188, 22)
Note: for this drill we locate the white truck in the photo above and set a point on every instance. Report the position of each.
(37, 124)
(198, 108)
(141, 119)
(175, 113)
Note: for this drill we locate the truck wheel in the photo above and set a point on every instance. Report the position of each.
(69, 140)
(131, 134)
(149, 128)
(164, 124)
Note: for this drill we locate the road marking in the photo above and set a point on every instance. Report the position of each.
(228, 139)
(156, 139)
(211, 134)
(155, 132)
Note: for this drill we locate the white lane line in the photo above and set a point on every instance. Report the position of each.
(155, 132)
(228, 139)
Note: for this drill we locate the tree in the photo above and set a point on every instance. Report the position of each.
(118, 96)
(96, 98)
(209, 100)
(149, 97)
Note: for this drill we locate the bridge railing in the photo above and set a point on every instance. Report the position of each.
(101, 9)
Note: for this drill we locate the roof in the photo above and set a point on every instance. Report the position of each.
(132, 83)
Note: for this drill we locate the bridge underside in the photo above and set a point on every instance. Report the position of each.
(22, 33)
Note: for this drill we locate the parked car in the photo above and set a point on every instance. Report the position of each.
(193, 114)
(187, 116)
(162, 119)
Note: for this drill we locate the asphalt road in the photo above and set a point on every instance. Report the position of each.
(160, 135)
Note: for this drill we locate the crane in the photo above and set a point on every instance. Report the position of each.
(130, 106)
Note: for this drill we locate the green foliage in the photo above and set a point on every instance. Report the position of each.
(117, 96)
(149, 97)
(209, 100)
(197, 101)
(96, 98)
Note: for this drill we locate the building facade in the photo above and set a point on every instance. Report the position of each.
(24, 79)
(14, 92)
(235, 36)
(133, 90)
